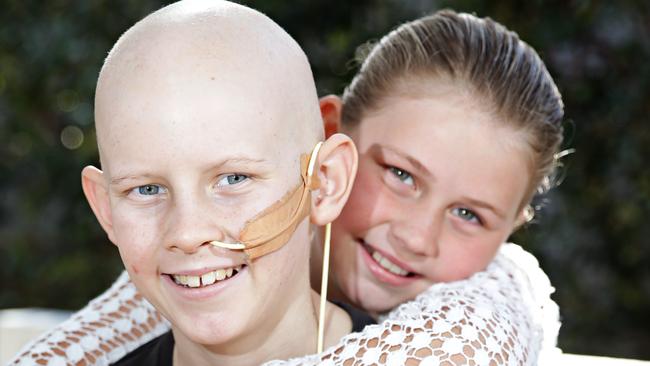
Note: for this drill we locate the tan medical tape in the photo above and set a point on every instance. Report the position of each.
(272, 228)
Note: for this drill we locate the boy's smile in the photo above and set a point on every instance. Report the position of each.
(204, 278)
(205, 284)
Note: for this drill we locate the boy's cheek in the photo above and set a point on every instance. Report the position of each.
(136, 240)
(138, 252)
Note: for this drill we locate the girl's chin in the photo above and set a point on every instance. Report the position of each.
(374, 299)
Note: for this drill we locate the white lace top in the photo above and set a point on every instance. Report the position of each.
(501, 316)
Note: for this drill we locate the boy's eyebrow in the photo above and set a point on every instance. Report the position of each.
(118, 180)
(485, 205)
(413, 161)
(237, 160)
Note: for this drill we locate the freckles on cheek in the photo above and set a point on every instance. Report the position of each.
(134, 258)
(136, 247)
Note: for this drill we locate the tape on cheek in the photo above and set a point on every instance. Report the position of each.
(272, 228)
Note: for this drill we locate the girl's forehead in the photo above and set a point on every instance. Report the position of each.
(445, 134)
(421, 116)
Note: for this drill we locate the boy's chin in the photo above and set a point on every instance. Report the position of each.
(210, 333)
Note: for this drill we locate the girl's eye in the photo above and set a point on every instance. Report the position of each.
(231, 179)
(404, 176)
(150, 189)
(466, 214)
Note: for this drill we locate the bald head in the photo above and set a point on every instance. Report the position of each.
(209, 62)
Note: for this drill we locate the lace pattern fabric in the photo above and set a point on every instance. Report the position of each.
(109, 327)
(501, 316)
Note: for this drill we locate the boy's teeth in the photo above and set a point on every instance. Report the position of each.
(193, 281)
(206, 279)
(220, 274)
(387, 264)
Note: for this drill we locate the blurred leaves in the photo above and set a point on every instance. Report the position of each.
(590, 237)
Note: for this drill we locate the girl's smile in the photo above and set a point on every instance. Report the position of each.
(385, 267)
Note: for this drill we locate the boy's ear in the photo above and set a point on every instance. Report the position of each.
(94, 187)
(330, 110)
(337, 167)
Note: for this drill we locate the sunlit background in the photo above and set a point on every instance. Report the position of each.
(591, 238)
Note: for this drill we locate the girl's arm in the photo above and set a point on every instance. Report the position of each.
(113, 324)
(503, 314)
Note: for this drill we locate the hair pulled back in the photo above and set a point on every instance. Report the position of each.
(479, 54)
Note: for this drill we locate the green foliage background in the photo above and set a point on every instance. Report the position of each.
(591, 237)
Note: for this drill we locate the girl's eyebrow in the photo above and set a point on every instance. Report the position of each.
(485, 205)
(421, 168)
(413, 161)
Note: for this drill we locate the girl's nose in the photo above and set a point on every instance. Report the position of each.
(418, 235)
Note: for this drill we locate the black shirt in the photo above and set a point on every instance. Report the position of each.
(157, 352)
(160, 351)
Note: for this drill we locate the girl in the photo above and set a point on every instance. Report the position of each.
(458, 126)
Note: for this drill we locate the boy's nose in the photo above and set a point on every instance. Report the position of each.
(190, 226)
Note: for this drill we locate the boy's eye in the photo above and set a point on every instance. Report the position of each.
(150, 189)
(231, 179)
(466, 214)
(402, 175)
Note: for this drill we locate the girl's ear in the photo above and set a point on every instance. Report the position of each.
(337, 167)
(526, 215)
(94, 187)
(330, 110)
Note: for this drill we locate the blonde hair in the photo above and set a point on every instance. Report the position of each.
(481, 55)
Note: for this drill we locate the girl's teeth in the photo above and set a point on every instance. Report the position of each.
(206, 279)
(387, 264)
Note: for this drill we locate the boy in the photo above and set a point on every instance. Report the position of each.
(204, 112)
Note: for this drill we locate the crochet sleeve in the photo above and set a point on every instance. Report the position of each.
(112, 325)
(503, 316)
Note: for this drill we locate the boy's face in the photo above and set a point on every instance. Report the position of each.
(188, 164)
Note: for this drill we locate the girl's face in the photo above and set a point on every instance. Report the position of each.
(439, 188)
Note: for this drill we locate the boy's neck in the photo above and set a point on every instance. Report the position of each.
(294, 335)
